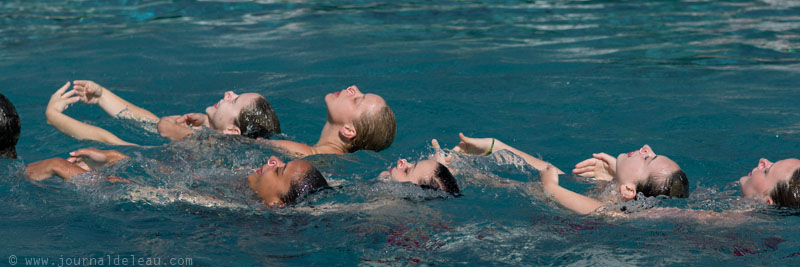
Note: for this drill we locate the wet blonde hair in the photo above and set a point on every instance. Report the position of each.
(374, 130)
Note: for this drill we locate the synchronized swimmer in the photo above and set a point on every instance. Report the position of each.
(358, 121)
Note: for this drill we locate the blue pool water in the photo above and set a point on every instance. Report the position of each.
(712, 84)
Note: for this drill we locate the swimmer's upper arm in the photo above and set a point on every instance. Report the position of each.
(301, 150)
(82, 131)
(571, 200)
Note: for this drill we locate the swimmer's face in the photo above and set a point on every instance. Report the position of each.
(349, 104)
(634, 167)
(765, 176)
(272, 181)
(410, 172)
(222, 114)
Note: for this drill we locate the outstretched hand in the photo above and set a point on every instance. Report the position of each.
(601, 166)
(90, 158)
(439, 154)
(474, 146)
(89, 91)
(61, 99)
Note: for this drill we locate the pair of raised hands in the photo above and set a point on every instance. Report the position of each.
(87, 91)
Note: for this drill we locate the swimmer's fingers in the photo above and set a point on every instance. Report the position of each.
(81, 83)
(586, 163)
(91, 153)
(435, 144)
(195, 119)
(605, 157)
(440, 156)
(181, 120)
(60, 100)
(61, 90)
(89, 91)
(585, 171)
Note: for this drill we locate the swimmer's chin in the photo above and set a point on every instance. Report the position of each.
(384, 174)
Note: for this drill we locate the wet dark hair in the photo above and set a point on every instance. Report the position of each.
(674, 185)
(442, 180)
(374, 130)
(787, 193)
(311, 182)
(9, 128)
(258, 120)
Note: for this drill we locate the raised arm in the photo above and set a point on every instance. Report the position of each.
(485, 146)
(571, 200)
(59, 102)
(92, 93)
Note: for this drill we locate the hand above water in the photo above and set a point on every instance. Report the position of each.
(439, 154)
(90, 158)
(601, 166)
(169, 127)
(195, 120)
(474, 146)
(61, 99)
(89, 91)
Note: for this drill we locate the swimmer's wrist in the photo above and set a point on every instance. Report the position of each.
(491, 148)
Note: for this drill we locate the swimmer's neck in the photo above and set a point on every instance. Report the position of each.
(329, 140)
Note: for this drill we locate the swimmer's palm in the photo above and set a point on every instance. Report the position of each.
(474, 146)
(89, 91)
(601, 166)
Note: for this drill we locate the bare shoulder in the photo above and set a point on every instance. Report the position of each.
(292, 148)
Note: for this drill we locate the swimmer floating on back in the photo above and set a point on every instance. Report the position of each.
(638, 171)
(248, 114)
(276, 183)
(355, 121)
(775, 183)
(434, 173)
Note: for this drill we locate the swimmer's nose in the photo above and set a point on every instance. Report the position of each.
(229, 95)
(274, 161)
(647, 150)
(764, 163)
(401, 164)
(353, 90)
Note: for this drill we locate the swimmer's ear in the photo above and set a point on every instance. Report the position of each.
(769, 201)
(628, 191)
(232, 130)
(348, 131)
